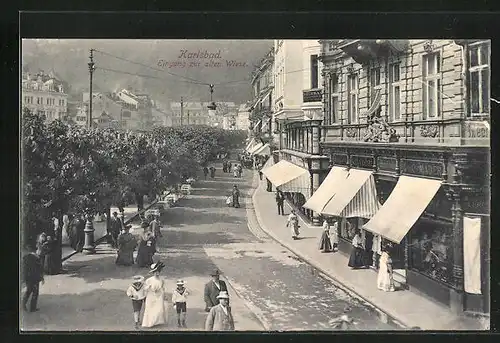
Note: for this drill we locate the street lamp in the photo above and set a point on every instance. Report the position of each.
(89, 247)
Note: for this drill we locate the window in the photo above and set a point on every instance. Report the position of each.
(431, 250)
(314, 71)
(39, 101)
(395, 91)
(334, 99)
(431, 87)
(374, 83)
(352, 100)
(479, 78)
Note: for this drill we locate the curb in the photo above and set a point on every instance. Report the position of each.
(262, 322)
(311, 262)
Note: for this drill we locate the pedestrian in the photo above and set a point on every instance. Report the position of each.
(220, 317)
(240, 170)
(56, 224)
(126, 247)
(293, 223)
(385, 278)
(212, 172)
(179, 299)
(32, 276)
(376, 250)
(48, 252)
(235, 170)
(212, 290)
(334, 237)
(260, 173)
(40, 241)
(136, 292)
(205, 172)
(224, 166)
(146, 250)
(356, 258)
(155, 227)
(115, 229)
(229, 201)
(155, 309)
(325, 245)
(280, 200)
(80, 234)
(65, 230)
(236, 196)
(229, 165)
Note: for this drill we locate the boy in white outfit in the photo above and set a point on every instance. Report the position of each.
(179, 298)
(137, 294)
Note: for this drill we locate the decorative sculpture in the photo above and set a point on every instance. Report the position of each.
(379, 131)
(429, 131)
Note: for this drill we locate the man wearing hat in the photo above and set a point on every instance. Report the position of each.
(179, 299)
(212, 290)
(220, 317)
(137, 293)
(154, 227)
(115, 229)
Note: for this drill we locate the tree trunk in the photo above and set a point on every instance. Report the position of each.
(108, 219)
(57, 257)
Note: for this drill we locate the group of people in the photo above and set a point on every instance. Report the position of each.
(151, 296)
(357, 259)
(210, 170)
(146, 246)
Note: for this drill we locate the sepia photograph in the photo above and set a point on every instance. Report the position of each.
(254, 185)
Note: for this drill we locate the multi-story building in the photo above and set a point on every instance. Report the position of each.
(44, 94)
(261, 109)
(197, 113)
(406, 133)
(243, 118)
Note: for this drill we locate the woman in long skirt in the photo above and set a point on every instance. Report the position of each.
(155, 309)
(146, 250)
(385, 279)
(356, 258)
(126, 246)
(325, 245)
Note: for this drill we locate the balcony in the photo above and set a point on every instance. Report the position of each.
(363, 50)
(312, 95)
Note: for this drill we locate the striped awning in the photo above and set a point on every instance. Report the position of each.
(404, 206)
(255, 148)
(265, 150)
(250, 144)
(355, 196)
(325, 191)
(256, 124)
(289, 177)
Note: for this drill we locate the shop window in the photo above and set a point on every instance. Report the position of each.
(431, 85)
(347, 228)
(431, 250)
(479, 78)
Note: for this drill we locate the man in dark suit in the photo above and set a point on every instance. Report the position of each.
(212, 290)
(32, 275)
(115, 229)
(280, 199)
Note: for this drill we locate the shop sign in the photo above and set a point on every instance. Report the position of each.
(362, 162)
(385, 163)
(424, 168)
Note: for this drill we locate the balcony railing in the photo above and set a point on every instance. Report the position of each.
(312, 95)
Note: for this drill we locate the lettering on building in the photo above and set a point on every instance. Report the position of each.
(477, 130)
(385, 163)
(362, 162)
(340, 159)
(424, 168)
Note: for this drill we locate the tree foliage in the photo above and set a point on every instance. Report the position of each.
(71, 169)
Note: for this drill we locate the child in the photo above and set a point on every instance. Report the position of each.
(179, 296)
(229, 201)
(137, 294)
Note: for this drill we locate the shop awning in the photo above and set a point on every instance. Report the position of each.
(289, 177)
(265, 150)
(404, 206)
(354, 196)
(255, 148)
(325, 191)
(250, 144)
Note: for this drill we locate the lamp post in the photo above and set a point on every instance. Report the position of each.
(89, 247)
(91, 71)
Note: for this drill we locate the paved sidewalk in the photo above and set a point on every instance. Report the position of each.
(407, 307)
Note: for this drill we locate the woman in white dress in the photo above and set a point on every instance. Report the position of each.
(385, 279)
(155, 309)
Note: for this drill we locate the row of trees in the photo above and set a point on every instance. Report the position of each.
(71, 169)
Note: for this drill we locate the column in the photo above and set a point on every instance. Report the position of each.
(315, 139)
(315, 167)
(457, 294)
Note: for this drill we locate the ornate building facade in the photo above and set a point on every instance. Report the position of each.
(416, 110)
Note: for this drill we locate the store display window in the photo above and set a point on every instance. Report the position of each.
(431, 250)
